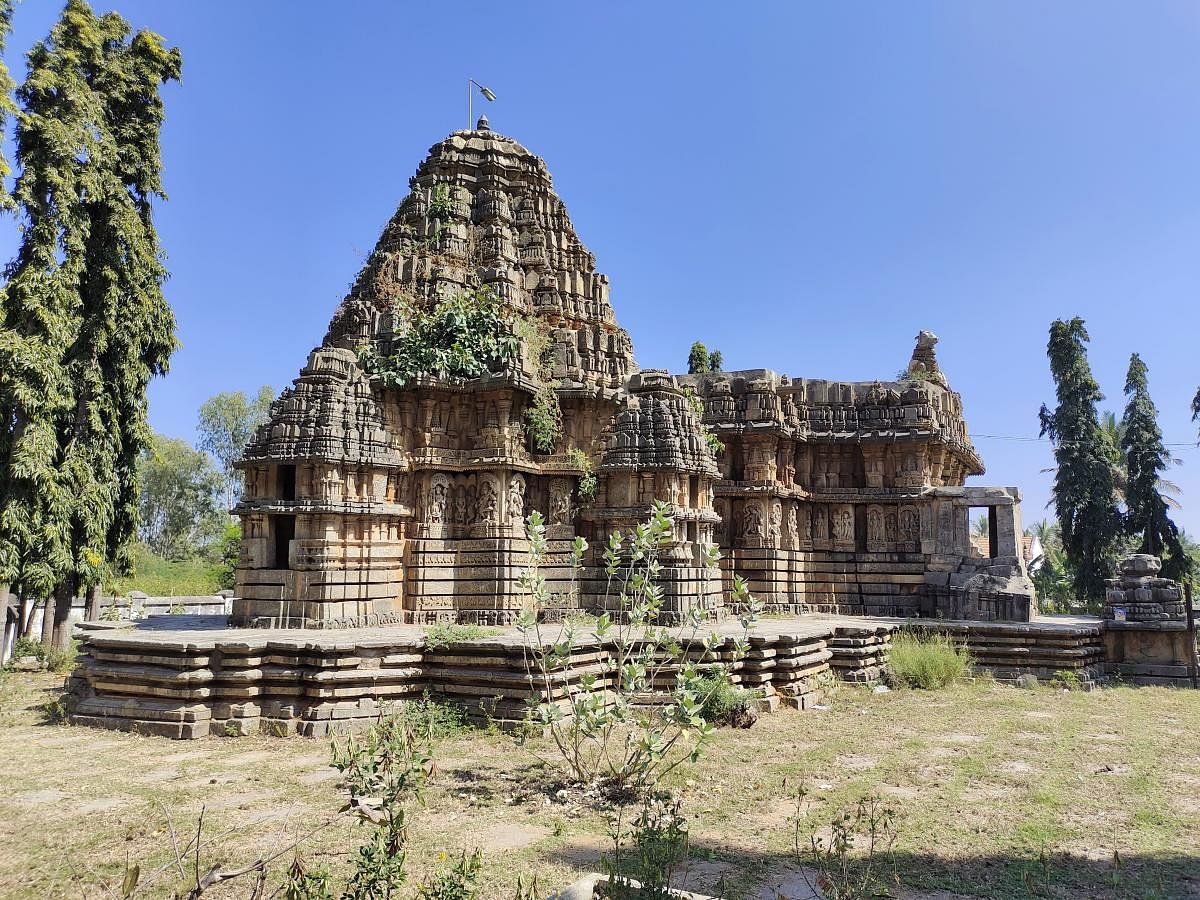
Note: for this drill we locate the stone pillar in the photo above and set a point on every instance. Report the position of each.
(1008, 530)
(1146, 635)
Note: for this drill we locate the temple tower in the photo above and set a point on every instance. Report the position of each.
(374, 497)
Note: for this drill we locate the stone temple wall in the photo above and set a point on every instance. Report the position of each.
(370, 504)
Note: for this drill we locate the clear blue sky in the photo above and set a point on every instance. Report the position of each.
(803, 185)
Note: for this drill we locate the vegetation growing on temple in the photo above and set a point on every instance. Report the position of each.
(465, 335)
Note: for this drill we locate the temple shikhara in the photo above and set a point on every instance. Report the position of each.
(370, 502)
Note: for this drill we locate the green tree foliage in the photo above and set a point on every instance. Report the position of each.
(7, 106)
(1144, 458)
(1083, 481)
(85, 323)
(179, 499)
(700, 360)
(1052, 576)
(228, 553)
(465, 335)
(227, 422)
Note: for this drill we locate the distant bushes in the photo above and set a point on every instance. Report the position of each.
(927, 661)
(53, 659)
(191, 576)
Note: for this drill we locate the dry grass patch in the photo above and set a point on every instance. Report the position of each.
(998, 793)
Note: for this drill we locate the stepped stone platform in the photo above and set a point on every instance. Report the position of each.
(190, 676)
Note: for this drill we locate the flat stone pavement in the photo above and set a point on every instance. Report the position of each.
(207, 632)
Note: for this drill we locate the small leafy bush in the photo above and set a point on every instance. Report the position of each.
(1067, 680)
(724, 702)
(543, 418)
(927, 661)
(852, 864)
(55, 660)
(434, 720)
(601, 736)
(644, 859)
(460, 883)
(588, 482)
(465, 335)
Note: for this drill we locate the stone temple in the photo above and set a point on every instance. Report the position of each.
(367, 504)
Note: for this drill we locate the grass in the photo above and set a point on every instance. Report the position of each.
(927, 661)
(998, 793)
(60, 662)
(158, 577)
(446, 633)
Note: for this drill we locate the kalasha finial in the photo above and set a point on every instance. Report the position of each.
(482, 124)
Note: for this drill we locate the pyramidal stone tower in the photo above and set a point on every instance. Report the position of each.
(367, 503)
(375, 496)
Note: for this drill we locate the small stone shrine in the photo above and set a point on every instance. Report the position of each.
(368, 504)
(1146, 635)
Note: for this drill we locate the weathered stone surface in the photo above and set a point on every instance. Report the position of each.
(366, 504)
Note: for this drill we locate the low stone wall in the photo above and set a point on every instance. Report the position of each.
(975, 605)
(1150, 653)
(1010, 649)
(187, 684)
(860, 652)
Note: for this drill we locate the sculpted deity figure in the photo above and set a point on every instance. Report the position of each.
(488, 501)
(752, 521)
(793, 528)
(843, 526)
(820, 525)
(437, 503)
(776, 523)
(516, 499)
(458, 506)
(721, 529)
(560, 502)
(910, 524)
(875, 530)
(889, 528)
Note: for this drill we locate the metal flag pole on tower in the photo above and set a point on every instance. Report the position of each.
(487, 95)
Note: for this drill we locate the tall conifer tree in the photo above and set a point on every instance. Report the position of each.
(7, 105)
(1144, 459)
(1083, 482)
(85, 301)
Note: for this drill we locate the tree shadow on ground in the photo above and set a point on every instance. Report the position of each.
(735, 875)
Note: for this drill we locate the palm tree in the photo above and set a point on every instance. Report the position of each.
(1113, 429)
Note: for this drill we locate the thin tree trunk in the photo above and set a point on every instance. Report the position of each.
(94, 595)
(63, 596)
(28, 608)
(11, 627)
(49, 606)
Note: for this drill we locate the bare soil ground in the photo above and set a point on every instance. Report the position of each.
(998, 792)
